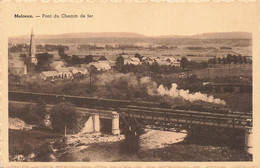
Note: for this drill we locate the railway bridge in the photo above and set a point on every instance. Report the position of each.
(147, 114)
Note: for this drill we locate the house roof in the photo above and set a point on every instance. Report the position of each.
(50, 73)
(57, 63)
(135, 59)
(162, 62)
(81, 69)
(17, 63)
(63, 70)
(102, 65)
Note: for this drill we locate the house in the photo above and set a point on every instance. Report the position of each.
(100, 66)
(176, 64)
(110, 62)
(78, 70)
(57, 64)
(82, 71)
(64, 72)
(49, 75)
(73, 70)
(148, 60)
(132, 60)
(163, 62)
(171, 59)
(17, 67)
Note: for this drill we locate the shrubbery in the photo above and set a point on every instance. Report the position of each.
(63, 115)
(29, 113)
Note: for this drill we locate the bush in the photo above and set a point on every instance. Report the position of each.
(207, 88)
(217, 89)
(245, 89)
(228, 89)
(27, 113)
(25, 150)
(63, 115)
(43, 153)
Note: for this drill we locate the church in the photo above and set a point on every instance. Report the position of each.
(28, 64)
(31, 60)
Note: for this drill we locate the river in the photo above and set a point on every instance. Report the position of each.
(107, 148)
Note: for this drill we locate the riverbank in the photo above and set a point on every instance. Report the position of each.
(29, 144)
(153, 145)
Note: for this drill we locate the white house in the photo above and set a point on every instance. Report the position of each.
(163, 62)
(17, 67)
(57, 64)
(49, 74)
(82, 71)
(101, 66)
(132, 60)
(64, 72)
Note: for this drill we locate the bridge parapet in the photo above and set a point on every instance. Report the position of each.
(237, 120)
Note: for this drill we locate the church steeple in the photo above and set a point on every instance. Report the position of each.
(32, 49)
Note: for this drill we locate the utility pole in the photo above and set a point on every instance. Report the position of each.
(208, 73)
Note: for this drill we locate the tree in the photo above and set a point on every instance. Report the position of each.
(61, 51)
(137, 55)
(119, 62)
(44, 60)
(184, 63)
(75, 59)
(89, 58)
(155, 67)
(63, 117)
(23, 55)
(102, 58)
(44, 56)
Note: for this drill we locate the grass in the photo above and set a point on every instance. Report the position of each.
(27, 142)
(192, 152)
(220, 71)
(237, 101)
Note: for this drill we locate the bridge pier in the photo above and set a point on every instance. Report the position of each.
(115, 123)
(249, 140)
(96, 122)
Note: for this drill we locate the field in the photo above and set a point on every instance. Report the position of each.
(221, 71)
(194, 49)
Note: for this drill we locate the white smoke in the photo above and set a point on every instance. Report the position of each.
(186, 95)
(132, 82)
(149, 84)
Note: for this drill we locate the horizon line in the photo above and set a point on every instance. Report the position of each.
(140, 34)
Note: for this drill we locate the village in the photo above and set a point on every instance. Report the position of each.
(58, 67)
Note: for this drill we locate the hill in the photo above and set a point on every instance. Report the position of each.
(222, 35)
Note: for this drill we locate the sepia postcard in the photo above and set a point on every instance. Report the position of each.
(129, 83)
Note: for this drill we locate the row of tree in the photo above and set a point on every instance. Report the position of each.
(122, 47)
(230, 59)
(161, 69)
(39, 48)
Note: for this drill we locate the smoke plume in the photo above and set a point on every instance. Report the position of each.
(186, 95)
(125, 84)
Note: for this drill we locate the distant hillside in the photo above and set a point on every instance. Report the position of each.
(89, 35)
(130, 38)
(222, 35)
(226, 35)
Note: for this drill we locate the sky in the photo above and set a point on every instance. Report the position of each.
(151, 19)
